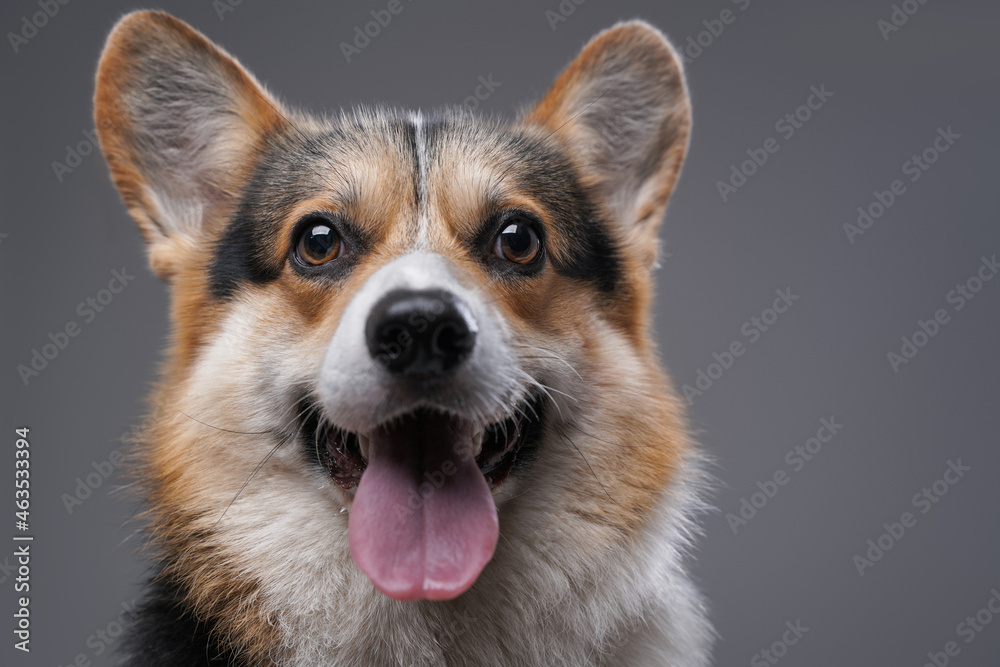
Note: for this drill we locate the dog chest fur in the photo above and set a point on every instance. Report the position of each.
(268, 363)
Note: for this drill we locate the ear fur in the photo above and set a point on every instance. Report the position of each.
(623, 112)
(180, 122)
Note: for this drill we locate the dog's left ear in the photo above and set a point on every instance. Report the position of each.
(622, 111)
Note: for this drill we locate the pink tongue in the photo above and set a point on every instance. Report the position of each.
(423, 523)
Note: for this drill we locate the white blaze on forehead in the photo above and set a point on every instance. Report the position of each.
(423, 221)
(358, 394)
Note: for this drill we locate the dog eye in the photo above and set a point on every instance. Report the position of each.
(518, 243)
(318, 243)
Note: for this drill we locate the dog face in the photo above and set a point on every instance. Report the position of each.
(398, 337)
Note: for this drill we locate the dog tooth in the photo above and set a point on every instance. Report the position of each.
(477, 442)
(363, 443)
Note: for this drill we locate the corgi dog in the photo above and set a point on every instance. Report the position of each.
(412, 411)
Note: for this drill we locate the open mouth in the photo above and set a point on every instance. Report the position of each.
(423, 523)
(498, 449)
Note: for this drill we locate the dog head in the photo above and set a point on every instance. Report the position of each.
(397, 335)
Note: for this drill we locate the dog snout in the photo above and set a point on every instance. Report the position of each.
(420, 332)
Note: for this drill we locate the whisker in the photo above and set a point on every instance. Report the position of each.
(563, 393)
(225, 430)
(253, 474)
(569, 441)
(545, 390)
(555, 355)
(610, 444)
(121, 487)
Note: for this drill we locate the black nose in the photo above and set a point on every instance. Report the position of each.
(420, 332)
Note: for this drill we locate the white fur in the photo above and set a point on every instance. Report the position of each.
(560, 589)
(357, 394)
(423, 221)
(565, 586)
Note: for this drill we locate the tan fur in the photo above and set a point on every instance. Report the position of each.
(115, 74)
(592, 536)
(559, 113)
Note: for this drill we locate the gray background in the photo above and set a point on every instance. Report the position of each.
(825, 357)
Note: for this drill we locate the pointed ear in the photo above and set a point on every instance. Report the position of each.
(180, 122)
(622, 111)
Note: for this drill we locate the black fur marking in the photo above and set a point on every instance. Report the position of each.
(590, 250)
(549, 177)
(245, 251)
(166, 634)
(293, 167)
(410, 130)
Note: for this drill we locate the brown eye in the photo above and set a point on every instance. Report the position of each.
(518, 243)
(318, 243)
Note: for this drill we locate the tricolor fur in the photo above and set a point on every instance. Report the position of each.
(595, 521)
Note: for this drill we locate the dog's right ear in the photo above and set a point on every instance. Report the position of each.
(622, 110)
(180, 122)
